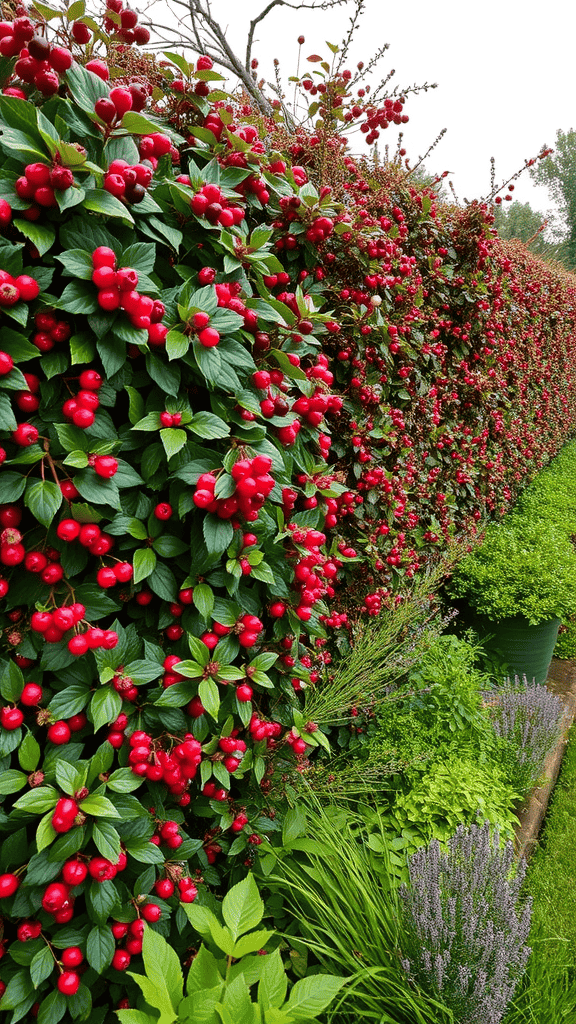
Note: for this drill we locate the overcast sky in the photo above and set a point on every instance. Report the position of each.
(505, 75)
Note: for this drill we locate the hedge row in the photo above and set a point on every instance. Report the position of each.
(239, 405)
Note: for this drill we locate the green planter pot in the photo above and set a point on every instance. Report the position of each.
(526, 649)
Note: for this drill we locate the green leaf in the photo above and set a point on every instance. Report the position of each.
(45, 833)
(162, 965)
(144, 563)
(7, 417)
(310, 996)
(42, 966)
(42, 236)
(294, 824)
(99, 806)
(242, 907)
(100, 947)
(11, 781)
(203, 598)
(100, 201)
(37, 801)
(79, 297)
(207, 425)
(136, 1017)
(106, 840)
(68, 777)
(210, 696)
(162, 581)
(252, 942)
(123, 780)
(173, 440)
(273, 982)
(13, 484)
(218, 534)
(43, 498)
(29, 753)
(179, 61)
(100, 899)
(54, 1006)
(12, 682)
(105, 706)
(144, 851)
(94, 488)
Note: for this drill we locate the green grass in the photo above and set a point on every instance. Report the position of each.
(551, 878)
(548, 991)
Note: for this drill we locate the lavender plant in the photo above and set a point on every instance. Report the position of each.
(465, 924)
(526, 720)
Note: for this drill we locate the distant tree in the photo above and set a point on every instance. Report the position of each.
(558, 173)
(519, 220)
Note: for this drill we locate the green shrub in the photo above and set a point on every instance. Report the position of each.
(218, 983)
(340, 891)
(523, 567)
(450, 791)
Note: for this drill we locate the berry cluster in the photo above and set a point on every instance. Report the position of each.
(153, 147)
(39, 62)
(82, 407)
(12, 289)
(109, 575)
(53, 624)
(209, 202)
(261, 730)
(253, 485)
(40, 183)
(123, 22)
(124, 180)
(64, 816)
(117, 290)
(234, 749)
(175, 769)
(89, 535)
(49, 331)
(93, 637)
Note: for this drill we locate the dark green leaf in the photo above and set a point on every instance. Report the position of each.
(43, 498)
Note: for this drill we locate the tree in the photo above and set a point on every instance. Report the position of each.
(519, 220)
(558, 173)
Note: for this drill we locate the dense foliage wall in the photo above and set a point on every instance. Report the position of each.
(245, 392)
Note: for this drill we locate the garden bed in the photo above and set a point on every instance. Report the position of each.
(561, 680)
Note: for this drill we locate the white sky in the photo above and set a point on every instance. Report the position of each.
(505, 74)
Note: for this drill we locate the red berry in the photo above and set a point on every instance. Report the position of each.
(151, 912)
(59, 733)
(56, 894)
(105, 466)
(78, 645)
(11, 718)
(121, 960)
(98, 67)
(68, 983)
(164, 888)
(74, 872)
(31, 695)
(8, 885)
(25, 435)
(72, 956)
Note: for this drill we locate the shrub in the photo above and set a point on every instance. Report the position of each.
(214, 984)
(453, 788)
(466, 924)
(523, 567)
(340, 891)
(526, 720)
(228, 418)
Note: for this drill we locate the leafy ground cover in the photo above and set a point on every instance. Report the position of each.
(252, 390)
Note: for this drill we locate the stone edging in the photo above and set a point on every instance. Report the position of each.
(561, 680)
